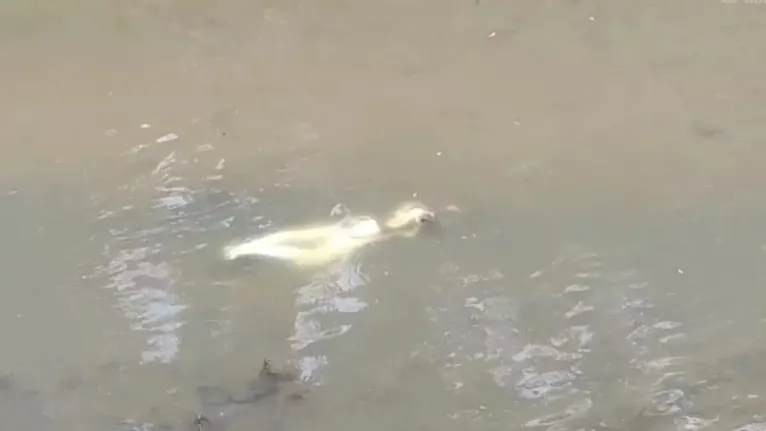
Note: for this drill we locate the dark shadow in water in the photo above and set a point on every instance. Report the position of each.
(261, 402)
(21, 409)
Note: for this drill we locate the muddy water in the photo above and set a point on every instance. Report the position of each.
(604, 272)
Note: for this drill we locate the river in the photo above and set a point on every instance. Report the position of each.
(597, 169)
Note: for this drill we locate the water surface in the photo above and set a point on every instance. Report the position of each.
(603, 272)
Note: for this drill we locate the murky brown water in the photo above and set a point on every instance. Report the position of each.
(605, 271)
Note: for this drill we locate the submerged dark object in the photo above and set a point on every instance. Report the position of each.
(200, 423)
(258, 401)
(265, 384)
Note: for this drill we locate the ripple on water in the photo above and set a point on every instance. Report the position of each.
(760, 426)
(556, 337)
(319, 302)
(145, 296)
(142, 268)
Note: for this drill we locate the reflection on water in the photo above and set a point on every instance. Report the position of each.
(145, 295)
(317, 303)
(591, 345)
(542, 353)
(141, 269)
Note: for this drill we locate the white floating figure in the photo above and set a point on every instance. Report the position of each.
(316, 245)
